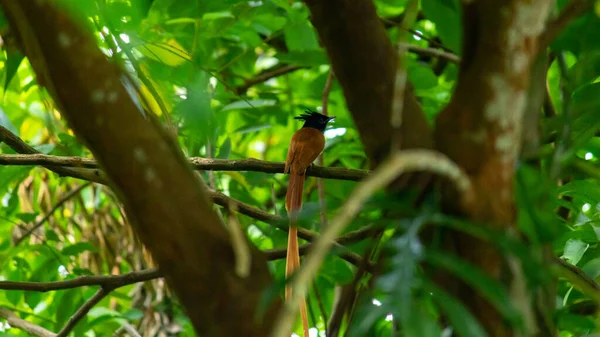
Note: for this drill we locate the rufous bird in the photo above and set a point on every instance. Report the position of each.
(306, 145)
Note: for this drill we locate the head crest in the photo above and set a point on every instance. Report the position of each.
(309, 114)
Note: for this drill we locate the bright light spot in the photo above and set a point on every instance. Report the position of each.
(332, 133)
(389, 318)
(4, 326)
(254, 232)
(264, 62)
(183, 96)
(26, 80)
(259, 146)
(213, 82)
(180, 90)
(313, 332)
(105, 30)
(376, 302)
(586, 207)
(418, 37)
(589, 156)
(62, 271)
(124, 37)
(294, 335)
(255, 3)
(5, 199)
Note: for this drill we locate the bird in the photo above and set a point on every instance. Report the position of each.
(306, 145)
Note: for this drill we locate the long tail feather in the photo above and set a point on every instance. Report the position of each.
(293, 204)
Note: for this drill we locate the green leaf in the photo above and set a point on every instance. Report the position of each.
(446, 16)
(26, 217)
(460, 317)
(420, 322)
(5, 122)
(14, 57)
(78, 248)
(592, 268)
(69, 302)
(422, 78)
(225, 149)
(300, 36)
(52, 236)
(249, 104)
(574, 250)
(486, 286)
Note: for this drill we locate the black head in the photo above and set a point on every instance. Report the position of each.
(314, 120)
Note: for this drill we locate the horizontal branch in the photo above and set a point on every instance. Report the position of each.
(16, 322)
(278, 254)
(206, 164)
(109, 281)
(266, 75)
(430, 52)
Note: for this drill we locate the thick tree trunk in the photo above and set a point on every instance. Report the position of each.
(165, 201)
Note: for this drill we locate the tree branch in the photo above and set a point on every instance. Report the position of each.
(16, 322)
(83, 310)
(109, 281)
(205, 164)
(400, 162)
(38, 224)
(430, 52)
(173, 216)
(572, 11)
(267, 74)
(365, 62)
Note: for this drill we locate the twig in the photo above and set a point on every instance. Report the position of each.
(61, 202)
(400, 162)
(579, 278)
(17, 144)
(129, 328)
(355, 259)
(572, 11)
(320, 161)
(16, 322)
(208, 164)
(266, 75)
(83, 310)
(430, 52)
(110, 281)
(410, 15)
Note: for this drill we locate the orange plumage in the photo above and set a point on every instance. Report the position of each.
(306, 145)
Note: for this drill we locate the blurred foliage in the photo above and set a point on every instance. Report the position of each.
(194, 64)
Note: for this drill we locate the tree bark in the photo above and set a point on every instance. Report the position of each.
(166, 203)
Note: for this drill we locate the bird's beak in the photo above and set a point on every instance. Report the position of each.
(331, 118)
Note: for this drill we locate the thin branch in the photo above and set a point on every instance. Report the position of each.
(17, 144)
(83, 310)
(110, 281)
(572, 11)
(400, 162)
(410, 15)
(266, 75)
(579, 278)
(207, 164)
(430, 52)
(355, 259)
(320, 161)
(19, 323)
(61, 202)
